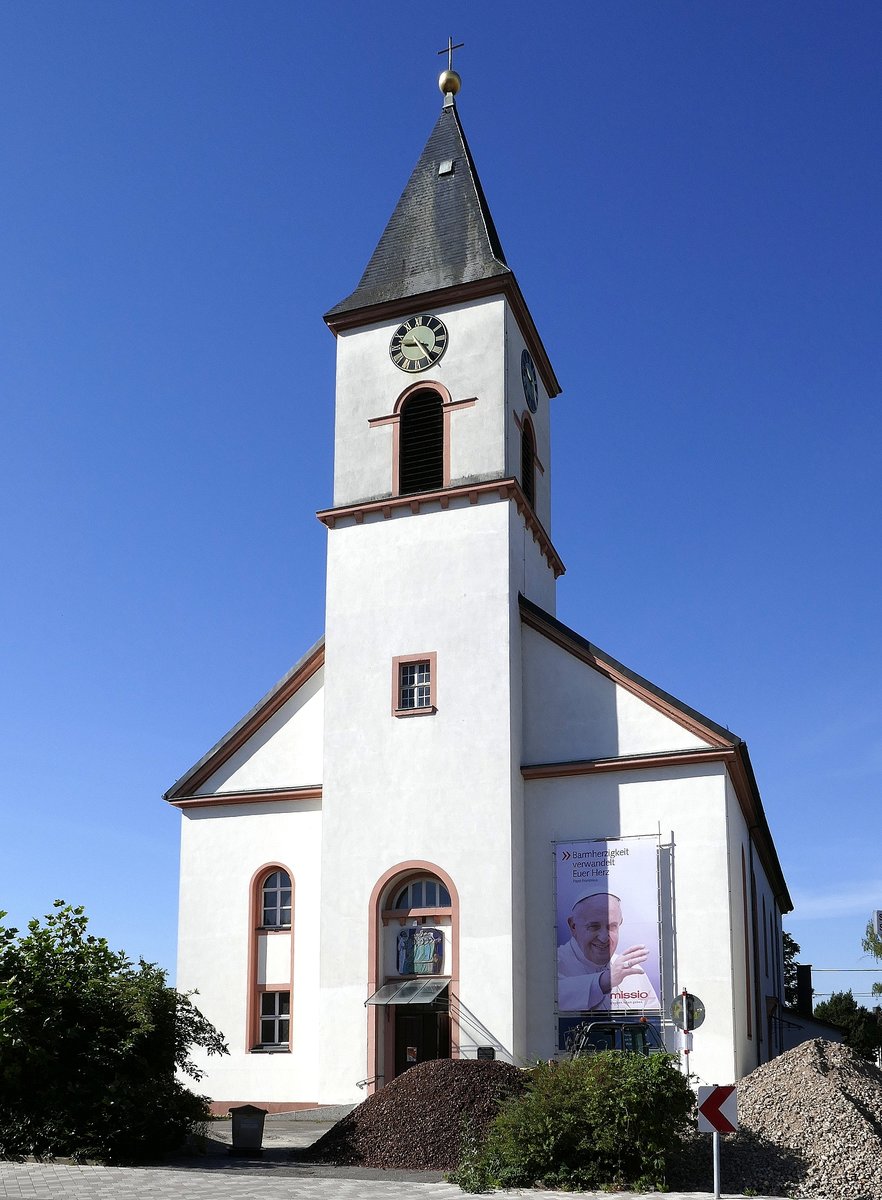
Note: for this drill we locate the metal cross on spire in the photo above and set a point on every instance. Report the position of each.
(449, 82)
(448, 50)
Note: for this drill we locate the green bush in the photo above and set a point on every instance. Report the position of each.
(609, 1120)
(90, 1047)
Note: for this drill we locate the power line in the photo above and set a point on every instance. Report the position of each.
(876, 994)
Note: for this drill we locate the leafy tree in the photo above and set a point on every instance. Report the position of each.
(90, 1045)
(872, 943)
(791, 956)
(607, 1120)
(862, 1028)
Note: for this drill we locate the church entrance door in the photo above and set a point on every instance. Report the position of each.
(421, 1033)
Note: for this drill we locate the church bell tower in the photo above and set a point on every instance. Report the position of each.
(441, 516)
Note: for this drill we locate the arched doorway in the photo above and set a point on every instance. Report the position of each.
(413, 970)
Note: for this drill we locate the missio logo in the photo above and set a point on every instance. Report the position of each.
(630, 995)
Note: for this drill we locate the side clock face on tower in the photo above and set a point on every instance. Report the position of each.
(531, 385)
(418, 343)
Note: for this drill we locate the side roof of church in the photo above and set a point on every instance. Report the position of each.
(245, 729)
(718, 741)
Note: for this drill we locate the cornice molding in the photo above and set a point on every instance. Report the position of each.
(505, 489)
(264, 796)
(634, 762)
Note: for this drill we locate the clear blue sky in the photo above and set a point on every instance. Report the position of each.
(689, 193)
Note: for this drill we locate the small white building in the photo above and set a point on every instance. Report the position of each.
(402, 850)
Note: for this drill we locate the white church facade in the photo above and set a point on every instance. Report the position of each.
(456, 827)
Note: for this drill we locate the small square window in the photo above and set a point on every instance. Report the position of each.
(413, 685)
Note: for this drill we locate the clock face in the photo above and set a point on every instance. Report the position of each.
(418, 343)
(531, 385)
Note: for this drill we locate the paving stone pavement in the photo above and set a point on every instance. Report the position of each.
(213, 1175)
(244, 1181)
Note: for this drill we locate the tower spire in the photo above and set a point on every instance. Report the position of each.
(441, 233)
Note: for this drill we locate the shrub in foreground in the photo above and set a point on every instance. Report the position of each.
(90, 1045)
(609, 1120)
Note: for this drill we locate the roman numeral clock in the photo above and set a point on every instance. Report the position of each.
(418, 343)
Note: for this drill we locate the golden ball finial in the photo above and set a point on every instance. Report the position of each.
(449, 82)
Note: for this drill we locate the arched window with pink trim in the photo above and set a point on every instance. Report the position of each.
(270, 960)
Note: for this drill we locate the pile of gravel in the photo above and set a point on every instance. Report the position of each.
(418, 1120)
(810, 1125)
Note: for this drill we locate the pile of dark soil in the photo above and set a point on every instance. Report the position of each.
(418, 1120)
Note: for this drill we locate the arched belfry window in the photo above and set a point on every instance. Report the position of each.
(421, 461)
(528, 461)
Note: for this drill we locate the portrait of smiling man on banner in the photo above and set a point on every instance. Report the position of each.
(607, 903)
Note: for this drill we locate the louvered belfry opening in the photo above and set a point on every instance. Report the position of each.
(421, 447)
(528, 462)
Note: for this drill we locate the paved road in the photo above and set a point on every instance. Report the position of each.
(244, 1181)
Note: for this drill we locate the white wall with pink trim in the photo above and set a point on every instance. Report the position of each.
(435, 787)
(368, 384)
(695, 812)
(221, 848)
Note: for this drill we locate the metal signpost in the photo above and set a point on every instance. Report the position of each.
(877, 922)
(687, 1013)
(717, 1106)
(717, 1113)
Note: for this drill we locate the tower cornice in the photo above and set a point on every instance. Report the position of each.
(497, 285)
(501, 489)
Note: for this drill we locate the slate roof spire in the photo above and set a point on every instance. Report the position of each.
(441, 233)
(440, 246)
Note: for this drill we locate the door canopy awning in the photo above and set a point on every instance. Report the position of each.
(409, 991)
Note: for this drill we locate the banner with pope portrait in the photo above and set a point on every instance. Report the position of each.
(607, 920)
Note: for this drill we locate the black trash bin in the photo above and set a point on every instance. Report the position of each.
(247, 1130)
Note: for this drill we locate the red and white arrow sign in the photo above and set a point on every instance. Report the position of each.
(717, 1110)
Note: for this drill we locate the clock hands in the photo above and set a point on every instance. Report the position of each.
(413, 340)
(421, 346)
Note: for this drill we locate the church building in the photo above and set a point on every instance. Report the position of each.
(456, 827)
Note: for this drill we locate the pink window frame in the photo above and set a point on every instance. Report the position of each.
(403, 660)
(256, 930)
(448, 404)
